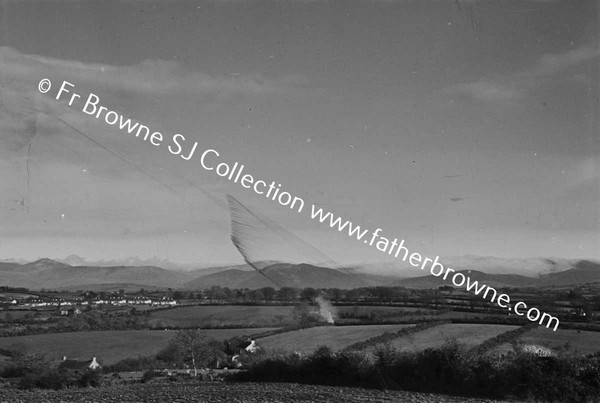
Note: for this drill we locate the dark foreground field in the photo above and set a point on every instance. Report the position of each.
(226, 392)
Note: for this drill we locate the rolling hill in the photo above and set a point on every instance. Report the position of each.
(286, 275)
(47, 273)
(584, 271)
(493, 280)
(581, 272)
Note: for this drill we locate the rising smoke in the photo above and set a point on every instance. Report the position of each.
(326, 310)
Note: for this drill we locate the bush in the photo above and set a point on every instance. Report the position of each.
(47, 379)
(560, 379)
(90, 378)
(149, 374)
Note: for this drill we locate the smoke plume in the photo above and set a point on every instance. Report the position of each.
(326, 310)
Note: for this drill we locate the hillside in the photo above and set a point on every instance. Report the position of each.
(216, 269)
(493, 280)
(581, 272)
(584, 271)
(286, 275)
(530, 267)
(46, 273)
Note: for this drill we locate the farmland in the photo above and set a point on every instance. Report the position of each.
(229, 392)
(335, 337)
(109, 346)
(112, 346)
(216, 316)
(469, 334)
(580, 342)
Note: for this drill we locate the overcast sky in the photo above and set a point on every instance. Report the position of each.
(464, 127)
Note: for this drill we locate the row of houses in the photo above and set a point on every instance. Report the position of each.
(119, 301)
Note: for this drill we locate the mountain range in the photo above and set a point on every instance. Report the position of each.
(581, 272)
(50, 274)
(284, 275)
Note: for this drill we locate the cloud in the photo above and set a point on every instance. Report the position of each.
(151, 75)
(514, 86)
(24, 112)
(554, 62)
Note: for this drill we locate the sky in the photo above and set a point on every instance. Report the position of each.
(463, 127)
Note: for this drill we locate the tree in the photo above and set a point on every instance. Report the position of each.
(384, 293)
(334, 294)
(257, 296)
(287, 294)
(193, 346)
(268, 292)
(226, 293)
(309, 294)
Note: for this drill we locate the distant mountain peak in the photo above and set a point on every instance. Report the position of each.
(46, 263)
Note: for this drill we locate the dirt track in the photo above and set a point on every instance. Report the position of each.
(226, 392)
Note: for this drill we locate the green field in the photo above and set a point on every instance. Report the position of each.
(581, 342)
(335, 337)
(222, 316)
(14, 314)
(469, 334)
(109, 346)
(263, 316)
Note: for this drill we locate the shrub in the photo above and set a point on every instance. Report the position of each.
(90, 378)
(149, 374)
(47, 379)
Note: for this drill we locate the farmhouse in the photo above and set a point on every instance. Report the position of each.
(69, 310)
(252, 347)
(76, 365)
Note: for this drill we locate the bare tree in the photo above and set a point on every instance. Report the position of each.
(192, 346)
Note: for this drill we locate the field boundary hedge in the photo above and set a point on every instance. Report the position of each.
(388, 336)
(502, 338)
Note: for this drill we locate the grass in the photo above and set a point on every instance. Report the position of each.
(109, 346)
(581, 342)
(335, 337)
(469, 334)
(249, 316)
(221, 315)
(17, 314)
